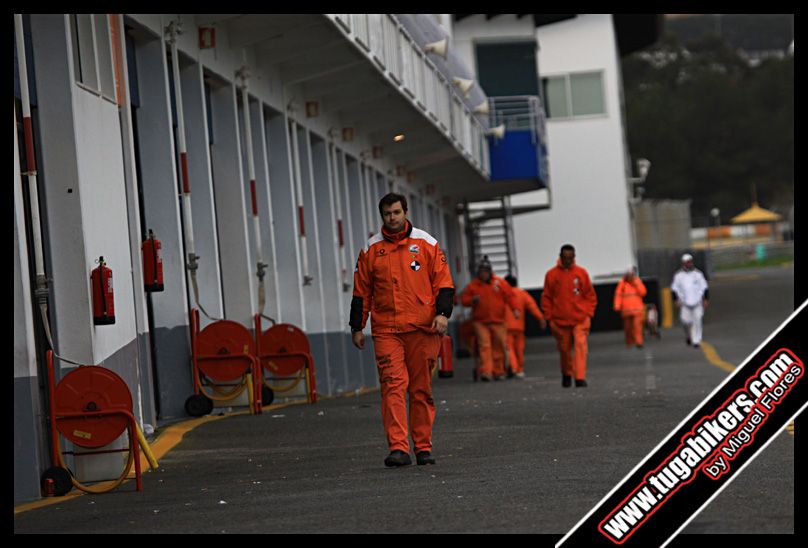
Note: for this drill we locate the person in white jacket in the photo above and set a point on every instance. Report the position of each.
(691, 296)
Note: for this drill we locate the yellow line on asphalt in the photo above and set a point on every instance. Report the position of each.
(713, 357)
(167, 440)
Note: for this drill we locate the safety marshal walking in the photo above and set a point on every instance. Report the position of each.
(402, 280)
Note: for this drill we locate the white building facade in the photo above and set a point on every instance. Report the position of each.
(578, 63)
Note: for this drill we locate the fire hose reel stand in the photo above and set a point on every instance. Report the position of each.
(224, 351)
(91, 407)
(56, 481)
(285, 354)
(198, 405)
(267, 395)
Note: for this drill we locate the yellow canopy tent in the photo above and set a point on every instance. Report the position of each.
(756, 214)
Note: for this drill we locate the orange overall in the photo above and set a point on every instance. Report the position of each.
(489, 321)
(401, 281)
(569, 303)
(628, 301)
(516, 327)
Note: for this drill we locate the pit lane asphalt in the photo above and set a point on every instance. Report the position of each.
(513, 456)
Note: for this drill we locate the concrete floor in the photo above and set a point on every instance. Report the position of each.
(513, 456)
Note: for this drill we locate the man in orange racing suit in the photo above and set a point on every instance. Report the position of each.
(402, 280)
(489, 295)
(569, 301)
(516, 326)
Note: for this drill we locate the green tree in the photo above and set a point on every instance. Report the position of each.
(711, 125)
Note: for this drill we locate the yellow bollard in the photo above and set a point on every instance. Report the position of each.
(667, 307)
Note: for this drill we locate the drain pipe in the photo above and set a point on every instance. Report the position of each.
(244, 74)
(41, 291)
(173, 29)
(307, 277)
(340, 235)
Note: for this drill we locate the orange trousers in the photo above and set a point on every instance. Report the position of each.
(492, 342)
(516, 348)
(405, 362)
(573, 347)
(633, 326)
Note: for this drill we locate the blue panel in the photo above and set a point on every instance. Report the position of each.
(515, 156)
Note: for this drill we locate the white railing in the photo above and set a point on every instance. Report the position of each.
(376, 37)
(518, 112)
(391, 53)
(405, 64)
(359, 22)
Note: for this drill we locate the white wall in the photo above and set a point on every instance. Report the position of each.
(104, 215)
(587, 163)
(586, 156)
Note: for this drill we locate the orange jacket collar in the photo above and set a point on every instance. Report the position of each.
(398, 236)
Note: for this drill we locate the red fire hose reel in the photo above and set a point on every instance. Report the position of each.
(221, 353)
(226, 351)
(90, 407)
(285, 355)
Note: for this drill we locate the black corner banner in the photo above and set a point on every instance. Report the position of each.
(707, 450)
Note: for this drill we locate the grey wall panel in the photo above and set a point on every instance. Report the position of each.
(27, 455)
(148, 402)
(124, 362)
(319, 353)
(174, 382)
(338, 365)
(312, 293)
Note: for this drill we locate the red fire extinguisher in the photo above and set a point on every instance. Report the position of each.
(103, 294)
(445, 356)
(152, 263)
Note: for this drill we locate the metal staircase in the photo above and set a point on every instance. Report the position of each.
(489, 233)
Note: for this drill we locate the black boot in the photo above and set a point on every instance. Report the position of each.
(424, 457)
(397, 458)
(566, 381)
(580, 383)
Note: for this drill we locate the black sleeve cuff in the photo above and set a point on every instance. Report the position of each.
(445, 302)
(356, 314)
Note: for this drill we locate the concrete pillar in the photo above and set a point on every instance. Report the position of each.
(68, 265)
(206, 234)
(328, 242)
(362, 375)
(264, 198)
(231, 214)
(145, 389)
(313, 293)
(161, 206)
(290, 280)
